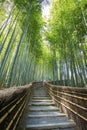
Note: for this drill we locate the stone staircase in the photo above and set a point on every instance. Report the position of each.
(42, 114)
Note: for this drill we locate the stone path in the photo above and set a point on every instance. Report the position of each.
(42, 114)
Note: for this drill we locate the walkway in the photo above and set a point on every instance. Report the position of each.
(42, 113)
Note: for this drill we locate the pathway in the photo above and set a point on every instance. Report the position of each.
(42, 114)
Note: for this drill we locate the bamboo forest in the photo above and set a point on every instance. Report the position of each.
(43, 64)
(36, 46)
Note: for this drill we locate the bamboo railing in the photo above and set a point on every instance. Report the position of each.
(72, 101)
(12, 104)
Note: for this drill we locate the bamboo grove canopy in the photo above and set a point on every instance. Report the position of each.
(35, 49)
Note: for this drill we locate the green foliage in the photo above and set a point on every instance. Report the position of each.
(66, 30)
(28, 53)
(21, 43)
(2, 15)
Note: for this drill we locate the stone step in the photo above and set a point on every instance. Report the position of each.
(46, 114)
(52, 126)
(38, 100)
(40, 97)
(41, 103)
(58, 113)
(47, 120)
(43, 108)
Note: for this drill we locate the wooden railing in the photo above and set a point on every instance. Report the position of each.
(72, 101)
(12, 104)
